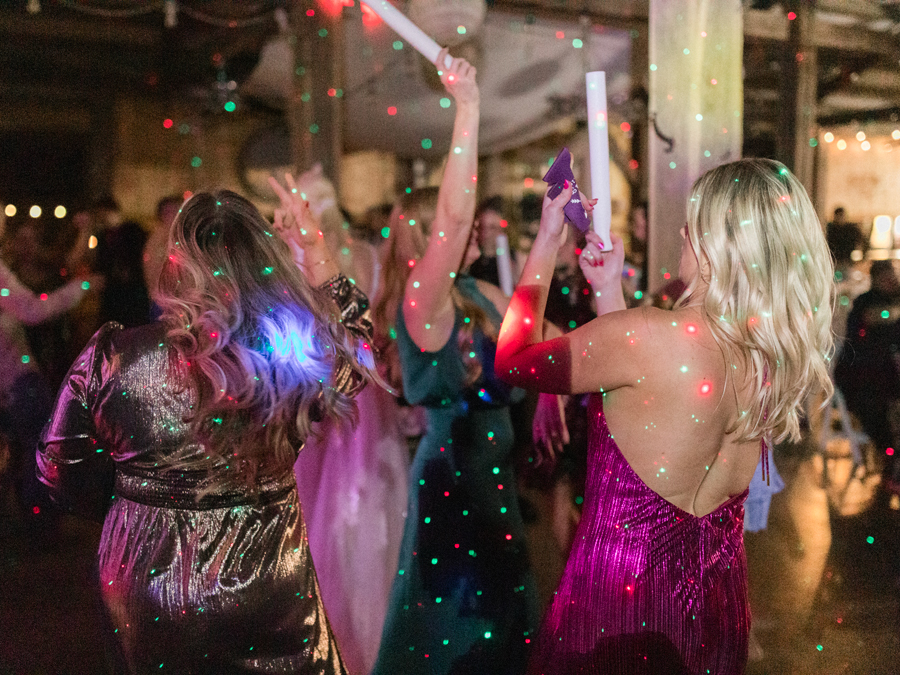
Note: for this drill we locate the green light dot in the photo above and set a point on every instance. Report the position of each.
(398, 45)
(465, 513)
(870, 540)
(638, 295)
(446, 642)
(487, 634)
(672, 165)
(323, 32)
(305, 97)
(457, 150)
(572, 324)
(4, 292)
(652, 66)
(427, 520)
(707, 153)
(565, 290)
(438, 600)
(434, 561)
(819, 647)
(683, 369)
(445, 102)
(686, 51)
(230, 106)
(25, 358)
(699, 117)
(409, 190)
(426, 143)
(385, 232)
(579, 500)
(196, 161)
(461, 30)
(313, 128)
(421, 481)
(577, 43)
(813, 142)
(85, 285)
(885, 314)
(496, 470)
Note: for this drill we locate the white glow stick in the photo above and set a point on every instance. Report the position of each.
(598, 140)
(504, 265)
(406, 29)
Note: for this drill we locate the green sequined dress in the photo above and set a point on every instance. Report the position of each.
(464, 599)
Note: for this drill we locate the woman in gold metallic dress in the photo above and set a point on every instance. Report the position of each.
(181, 437)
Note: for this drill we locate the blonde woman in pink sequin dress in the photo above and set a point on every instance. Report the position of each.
(683, 402)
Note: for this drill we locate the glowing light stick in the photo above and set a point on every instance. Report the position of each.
(598, 140)
(406, 29)
(504, 265)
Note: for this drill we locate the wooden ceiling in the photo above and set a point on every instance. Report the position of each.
(64, 61)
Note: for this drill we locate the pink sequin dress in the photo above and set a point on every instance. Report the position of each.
(649, 588)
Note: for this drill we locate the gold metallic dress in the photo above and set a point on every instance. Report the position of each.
(218, 584)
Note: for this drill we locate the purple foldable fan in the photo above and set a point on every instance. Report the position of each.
(559, 172)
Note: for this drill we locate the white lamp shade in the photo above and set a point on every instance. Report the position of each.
(449, 22)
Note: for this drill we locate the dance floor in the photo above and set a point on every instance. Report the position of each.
(823, 578)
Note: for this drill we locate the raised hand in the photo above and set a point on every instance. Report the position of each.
(459, 79)
(603, 269)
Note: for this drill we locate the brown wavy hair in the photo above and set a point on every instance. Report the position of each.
(410, 227)
(252, 339)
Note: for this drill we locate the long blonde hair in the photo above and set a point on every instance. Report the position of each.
(761, 249)
(410, 228)
(255, 342)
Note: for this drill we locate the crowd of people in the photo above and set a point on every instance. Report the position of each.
(221, 344)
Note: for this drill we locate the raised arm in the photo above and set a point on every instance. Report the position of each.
(427, 308)
(588, 359)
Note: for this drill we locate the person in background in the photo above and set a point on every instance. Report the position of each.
(25, 396)
(352, 481)
(684, 405)
(155, 249)
(843, 238)
(464, 598)
(193, 423)
(490, 222)
(868, 366)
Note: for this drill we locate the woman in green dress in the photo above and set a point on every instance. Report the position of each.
(464, 599)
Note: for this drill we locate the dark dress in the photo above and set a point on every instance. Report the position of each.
(649, 588)
(464, 600)
(193, 582)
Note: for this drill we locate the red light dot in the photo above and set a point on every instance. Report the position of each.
(527, 641)
(412, 263)
(310, 12)
(332, 92)
(36, 510)
(213, 335)
(43, 296)
(504, 223)
(500, 486)
(625, 126)
(560, 35)
(633, 164)
(509, 537)
(631, 273)
(167, 123)
(714, 81)
(451, 78)
(889, 452)
(705, 388)
(792, 16)
(446, 494)
(392, 110)
(691, 328)
(667, 276)
(528, 182)
(187, 195)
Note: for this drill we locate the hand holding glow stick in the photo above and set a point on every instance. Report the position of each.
(409, 31)
(598, 140)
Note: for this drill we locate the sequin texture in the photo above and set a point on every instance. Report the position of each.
(649, 588)
(192, 581)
